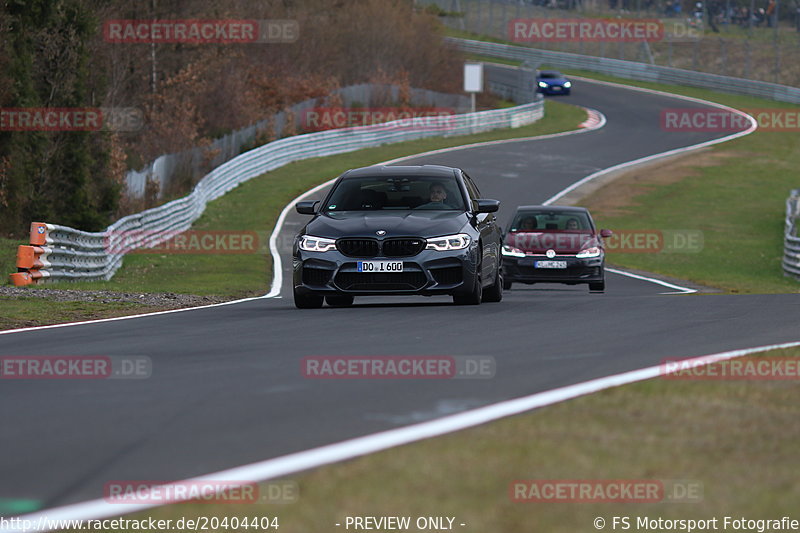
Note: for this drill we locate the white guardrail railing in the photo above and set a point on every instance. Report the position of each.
(791, 239)
(61, 253)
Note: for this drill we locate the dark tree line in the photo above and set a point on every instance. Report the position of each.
(50, 175)
(53, 54)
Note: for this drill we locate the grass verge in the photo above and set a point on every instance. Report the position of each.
(29, 312)
(735, 440)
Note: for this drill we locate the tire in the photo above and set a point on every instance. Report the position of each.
(473, 297)
(507, 284)
(599, 286)
(339, 300)
(495, 292)
(307, 301)
(476, 294)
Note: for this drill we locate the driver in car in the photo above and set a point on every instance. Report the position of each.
(527, 224)
(438, 194)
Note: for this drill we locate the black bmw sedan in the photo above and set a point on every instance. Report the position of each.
(399, 230)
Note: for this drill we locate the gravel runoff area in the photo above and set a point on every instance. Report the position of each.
(161, 300)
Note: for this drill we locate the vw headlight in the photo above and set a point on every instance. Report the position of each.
(448, 242)
(567, 84)
(309, 243)
(542, 84)
(594, 251)
(512, 252)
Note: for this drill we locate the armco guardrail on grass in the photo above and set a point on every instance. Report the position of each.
(62, 253)
(791, 239)
(632, 70)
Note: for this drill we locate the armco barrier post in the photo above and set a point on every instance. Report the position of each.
(29, 260)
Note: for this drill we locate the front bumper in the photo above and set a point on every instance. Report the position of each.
(523, 270)
(427, 273)
(554, 89)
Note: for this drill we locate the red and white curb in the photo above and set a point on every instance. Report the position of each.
(595, 120)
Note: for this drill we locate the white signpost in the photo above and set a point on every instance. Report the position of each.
(473, 80)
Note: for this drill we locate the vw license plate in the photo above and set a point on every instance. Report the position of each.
(380, 266)
(551, 264)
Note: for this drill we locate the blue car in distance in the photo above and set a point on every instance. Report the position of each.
(552, 82)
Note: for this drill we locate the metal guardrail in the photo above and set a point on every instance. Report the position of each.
(63, 253)
(516, 93)
(522, 89)
(163, 169)
(791, 239)
(632, 70)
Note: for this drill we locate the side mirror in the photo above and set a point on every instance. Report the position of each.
(484, 205)
(306, 208)
(606, 233)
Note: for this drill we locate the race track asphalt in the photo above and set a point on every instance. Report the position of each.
(227, 389)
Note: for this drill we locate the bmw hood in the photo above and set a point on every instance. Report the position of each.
(419, 223)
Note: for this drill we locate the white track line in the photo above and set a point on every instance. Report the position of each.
(349, 449)
(678, 288)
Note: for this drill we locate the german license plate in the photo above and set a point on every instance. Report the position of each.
(380, 266)
(551, 264)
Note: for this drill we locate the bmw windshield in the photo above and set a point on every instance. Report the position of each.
(396, 193)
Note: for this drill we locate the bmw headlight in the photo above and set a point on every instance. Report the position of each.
(512, 252)
(586, 253)
(309, 243)
(542, 84)
(567, 84)
(448, 242)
